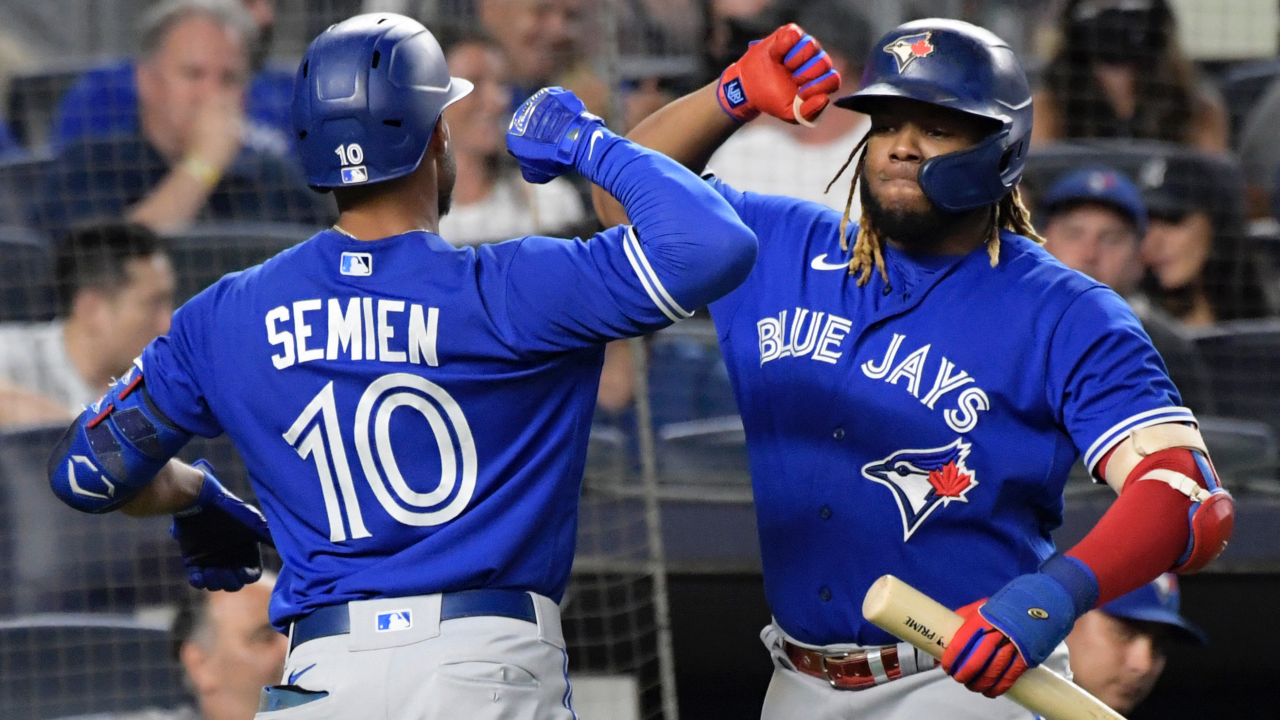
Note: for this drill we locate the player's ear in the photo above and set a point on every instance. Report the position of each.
(439, 144)
(196, 660)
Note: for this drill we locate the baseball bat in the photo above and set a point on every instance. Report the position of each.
(899, 609)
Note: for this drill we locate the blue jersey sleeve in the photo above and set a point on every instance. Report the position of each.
(566, 294)
(1105, 376)
(171, 365)
(783, 225)
(687, 248)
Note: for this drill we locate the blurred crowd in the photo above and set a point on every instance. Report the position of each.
(1153, 174)
(1139, 187)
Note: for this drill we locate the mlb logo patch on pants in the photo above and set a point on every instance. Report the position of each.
(395, 620)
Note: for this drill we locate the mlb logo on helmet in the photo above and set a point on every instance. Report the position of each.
(1101, 180)
(395, 620)
(908, 48)
(924, 480)
(358, 264)
(357, 174)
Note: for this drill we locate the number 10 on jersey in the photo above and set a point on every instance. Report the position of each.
(317, 434)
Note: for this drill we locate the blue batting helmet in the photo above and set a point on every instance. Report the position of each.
(962, 67)
(367, 97)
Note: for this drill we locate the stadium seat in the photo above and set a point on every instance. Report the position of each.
(204, 253)
(56, 665)
(698, 432)
(1245, 452)
(18, 180)
(1242, 87)
(58, 559)
(1244, 362)
(34, 97)
(26, 277)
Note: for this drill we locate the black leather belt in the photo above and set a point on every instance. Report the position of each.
(336, 620)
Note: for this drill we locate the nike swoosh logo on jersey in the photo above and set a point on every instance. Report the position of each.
(293, 677)
(820, 263)
(592, 147)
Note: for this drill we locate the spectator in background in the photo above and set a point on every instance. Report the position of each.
(490, 200)
(777, 158)
(1120, 72)
(544, 41)
(1093, 221)
(1118, 650)
(1259, 152)
(1200, 270)
(115, 287)
(186, 160)
(104, 101)
(229, 650)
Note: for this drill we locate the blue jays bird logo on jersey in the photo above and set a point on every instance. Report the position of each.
(908, 48)
(923, 480)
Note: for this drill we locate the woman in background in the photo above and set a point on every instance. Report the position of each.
(1120, 72)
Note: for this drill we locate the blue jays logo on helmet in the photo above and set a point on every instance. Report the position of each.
(909, 48)
(924, 480)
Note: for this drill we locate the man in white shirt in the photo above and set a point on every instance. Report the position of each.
(115, 285)
(773, 157)
(490, 200)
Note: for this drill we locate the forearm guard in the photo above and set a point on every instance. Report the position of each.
(114, 449)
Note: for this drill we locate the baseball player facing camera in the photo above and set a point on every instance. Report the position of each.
(414, 417)
(915, 386)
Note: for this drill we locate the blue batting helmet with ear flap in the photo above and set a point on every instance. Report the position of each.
(366, 100)
(962, 67)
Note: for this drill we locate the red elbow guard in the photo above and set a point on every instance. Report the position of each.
(1211, 517)
(1212, 520)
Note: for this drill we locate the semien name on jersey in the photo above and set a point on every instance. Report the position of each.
(358, 328)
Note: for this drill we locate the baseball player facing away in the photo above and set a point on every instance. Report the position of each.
(916, 387)
(413, 417)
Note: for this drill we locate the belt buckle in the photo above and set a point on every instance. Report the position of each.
(826, 672)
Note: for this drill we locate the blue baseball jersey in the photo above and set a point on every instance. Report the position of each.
(413, 417)
(924, 427)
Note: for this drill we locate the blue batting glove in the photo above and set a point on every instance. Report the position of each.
(1019, 626)
(219, 536)
(551, 133)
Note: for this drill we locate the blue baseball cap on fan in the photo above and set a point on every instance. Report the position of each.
(1099, 185)
(1158, 601)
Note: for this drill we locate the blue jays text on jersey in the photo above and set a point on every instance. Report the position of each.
(923, 428)
(413, 416)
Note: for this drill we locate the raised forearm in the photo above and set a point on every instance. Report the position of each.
(689, 131)
(176, 201)
(175, 488)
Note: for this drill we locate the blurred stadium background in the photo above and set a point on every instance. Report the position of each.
(665, 605)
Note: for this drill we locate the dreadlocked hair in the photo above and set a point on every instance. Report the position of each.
(1009, 214)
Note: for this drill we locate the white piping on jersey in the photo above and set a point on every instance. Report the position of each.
(649, 279)
(1121, 430)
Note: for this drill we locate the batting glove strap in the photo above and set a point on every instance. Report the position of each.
(219, 536)
(1037, 611)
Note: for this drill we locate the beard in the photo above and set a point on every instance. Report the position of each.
(448, 176)
(914, 230)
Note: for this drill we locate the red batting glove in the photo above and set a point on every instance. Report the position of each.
(774, 72)
(982, 657)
